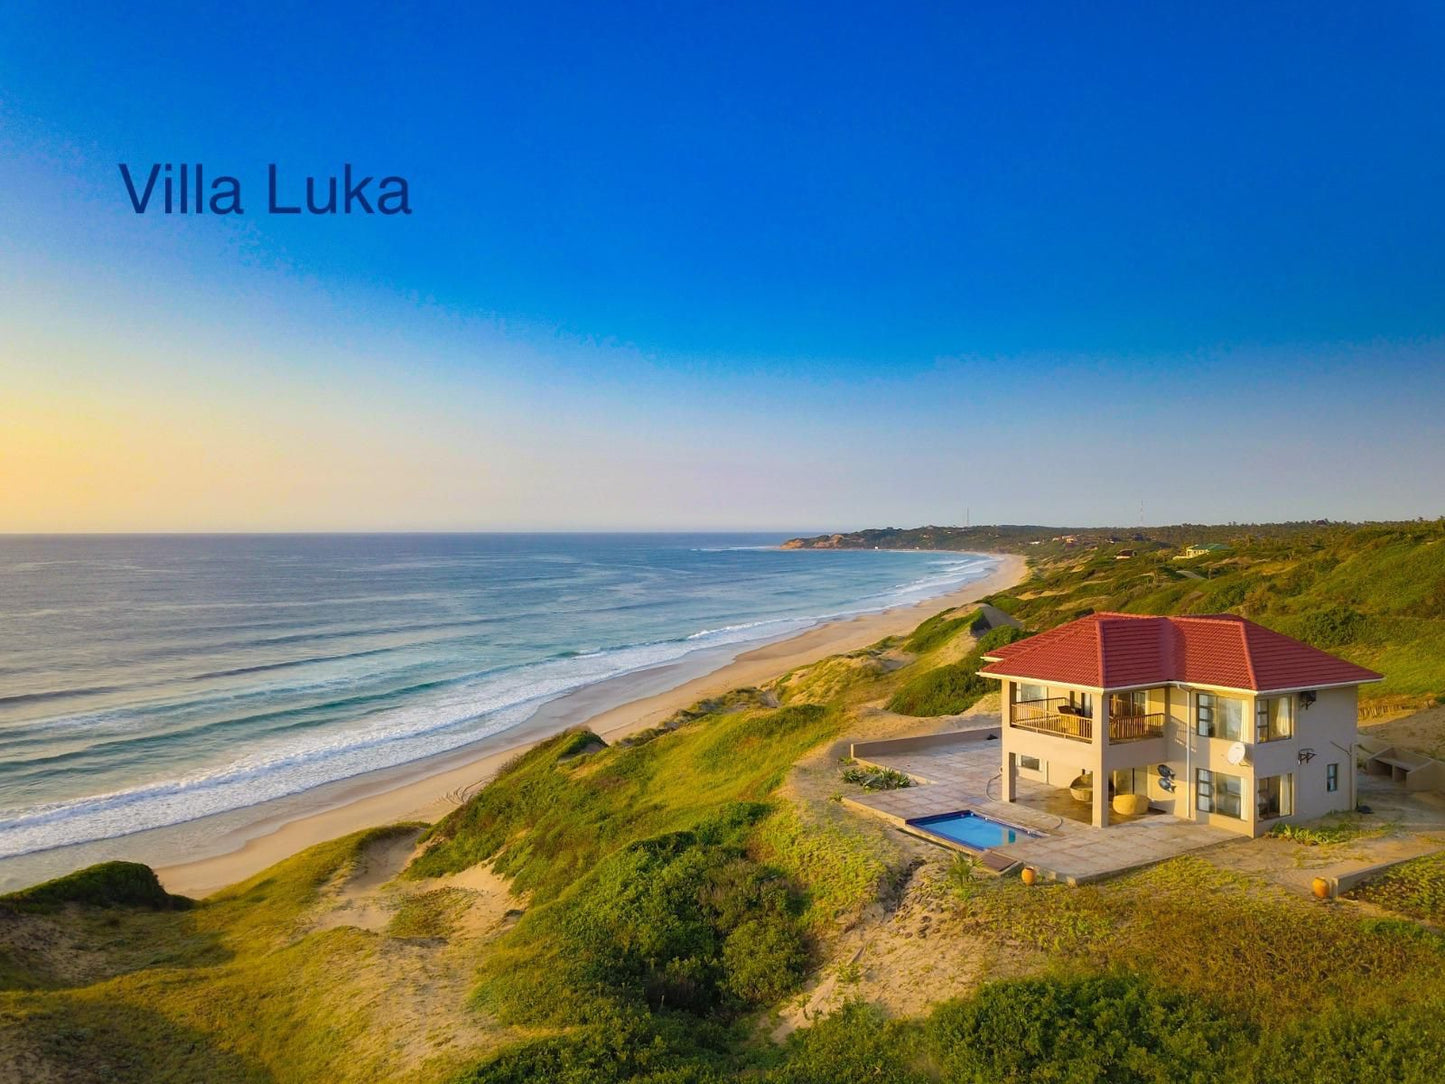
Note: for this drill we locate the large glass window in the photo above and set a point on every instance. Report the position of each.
(1276, 796)
(1026, 691)
(1273, 718)
(1215, 792)
(1219, 717)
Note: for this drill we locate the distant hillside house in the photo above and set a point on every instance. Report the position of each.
(1202, 549)
(1123, 555)
(1211, 719)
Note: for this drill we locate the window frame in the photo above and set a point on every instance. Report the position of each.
(1207, 791)
(1207, 715)
(1284, 799)
(1332, 778)
(1263, 723)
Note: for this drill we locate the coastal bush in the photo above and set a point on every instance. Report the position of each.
(1403, 1045)
(943, 690)
(996, 638)
(1335, 829)
(109, 884)
(871, 778)
(841, 864)
(1331, 627)
(1113, 1027)
(940, 629)
(546, 819)
(1415, 888)
(624, 1045)
(683, 921)
(851, 1045)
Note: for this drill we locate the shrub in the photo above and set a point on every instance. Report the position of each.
(1331, 627)
(1323, 833)
(1099, 1028)
(626, 1045)
(939, 629)
(763, 959)
(683, 921)
(854, 1044)
(1415, 888)
(109, 884)
(944, 690)
(870, 778)
(1402, 1046)
(996, 638)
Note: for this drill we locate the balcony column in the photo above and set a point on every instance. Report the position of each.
(1009, 785)
(1099, 748)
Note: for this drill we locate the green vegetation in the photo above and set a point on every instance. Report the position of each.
(554, 814)
(1415, 888)
(428, 914)
(872, 778)
(234, 989)
(1335, 828)
(940, 629)
(677, 889)
(954, 687)
(1112, 1027)
(1374, 594)
(944, 690)
(110, 884)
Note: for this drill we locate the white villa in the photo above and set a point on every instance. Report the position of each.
(1212, 719)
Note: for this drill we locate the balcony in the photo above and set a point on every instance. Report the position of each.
(1136, 727)
(1057, 716)
(1054, 715)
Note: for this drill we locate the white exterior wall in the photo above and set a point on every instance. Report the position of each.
(1327, 727)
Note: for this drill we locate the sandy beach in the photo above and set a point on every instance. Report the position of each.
(427, 791)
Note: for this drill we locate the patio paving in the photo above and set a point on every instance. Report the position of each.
(954, 779)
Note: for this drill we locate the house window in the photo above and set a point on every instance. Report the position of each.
(1273, 718)
(1215, 792)
(1082, 703)
(1024, 691)
(1276, 796)
(1129, 705)
(1033, 764)
(1332, 777)
(1219, 717)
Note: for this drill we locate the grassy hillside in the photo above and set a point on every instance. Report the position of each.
(678, 894)
(1035, 540)
(1373, 594)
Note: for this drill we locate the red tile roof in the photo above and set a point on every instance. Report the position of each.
(1114, 651)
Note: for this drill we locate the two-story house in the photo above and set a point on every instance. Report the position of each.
(1211, 718)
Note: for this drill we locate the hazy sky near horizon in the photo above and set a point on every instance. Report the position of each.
(688, 266)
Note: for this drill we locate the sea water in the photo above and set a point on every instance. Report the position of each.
(148, 681)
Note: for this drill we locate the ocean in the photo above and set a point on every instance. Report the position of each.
(148, 681)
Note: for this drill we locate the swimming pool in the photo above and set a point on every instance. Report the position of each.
(971, 830)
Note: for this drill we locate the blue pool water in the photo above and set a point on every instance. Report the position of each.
(972, 830)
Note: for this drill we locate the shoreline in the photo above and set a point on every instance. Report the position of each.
(426, 790)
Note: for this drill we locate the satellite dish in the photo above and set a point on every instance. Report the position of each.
(1235, 754)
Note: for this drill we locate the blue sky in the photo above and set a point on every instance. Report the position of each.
(725, 265)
